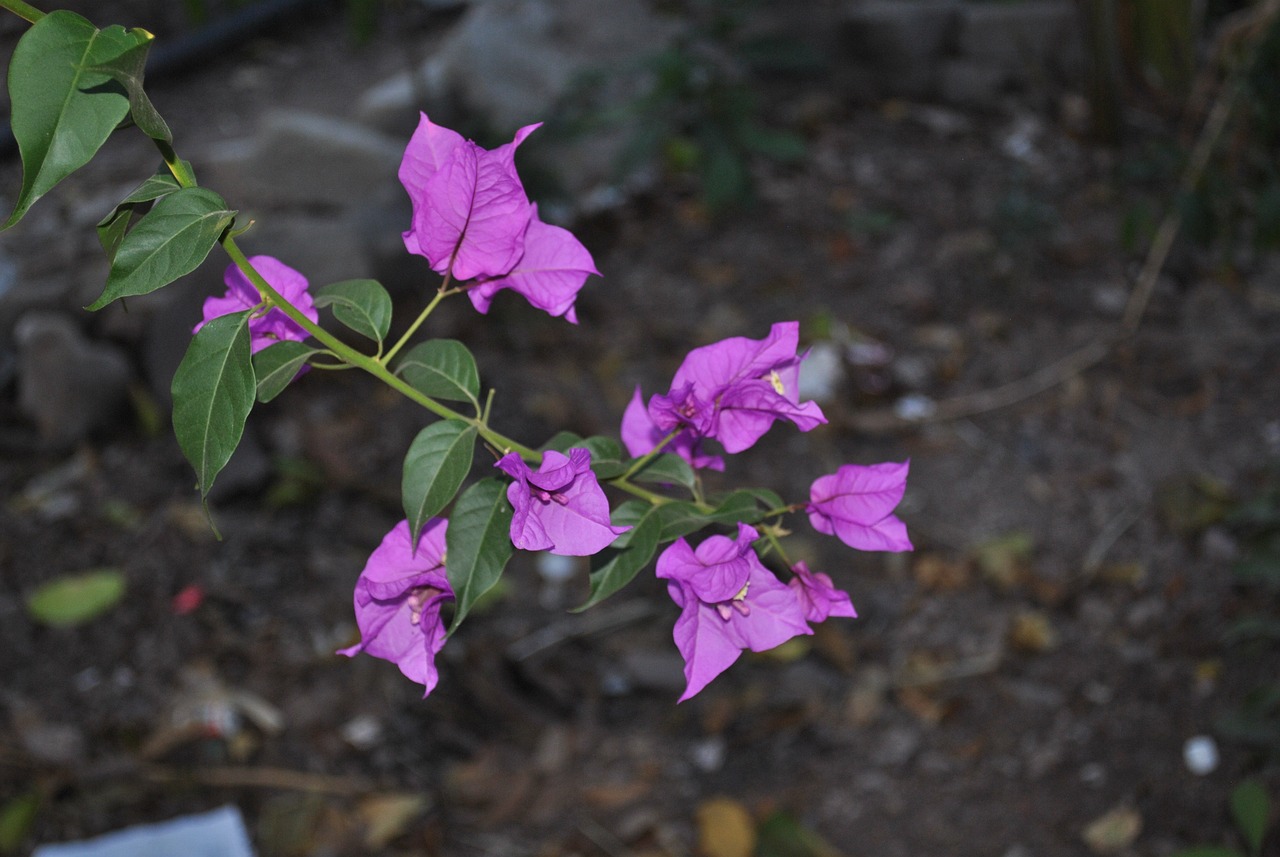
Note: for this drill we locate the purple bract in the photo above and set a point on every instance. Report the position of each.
(728, 601)
(273, 325)
(473, 220)
(856, 505)
(731, 391)
(560, 507)
(398, 599)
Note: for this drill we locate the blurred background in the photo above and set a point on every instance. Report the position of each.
(1032, 247)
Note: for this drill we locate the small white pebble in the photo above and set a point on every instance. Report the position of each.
(555, 569)
(363, 731)
(914, 408)
(1200, 755)
(821, 372)
(708, 754)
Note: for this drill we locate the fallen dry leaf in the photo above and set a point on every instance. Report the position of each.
(387, 816)
(725, 829)
(1114, 831)
(1032, 632)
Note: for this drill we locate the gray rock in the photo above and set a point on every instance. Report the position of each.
(1024, 39)
(971, 83)
(68, 386)
(508, 62)
(301, 158)
(902, 41)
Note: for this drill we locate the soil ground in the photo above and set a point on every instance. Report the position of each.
(1036, 665)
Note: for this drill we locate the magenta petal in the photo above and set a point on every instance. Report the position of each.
(703, 642)
(749, 408)
(549, 275)
(720, 364)
(266, 328)
(395, 579)
(639, 434)
(561, 508)
(470, 211)
(856, 505)
(818, 596)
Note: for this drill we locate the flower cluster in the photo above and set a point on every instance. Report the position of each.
(474, 224)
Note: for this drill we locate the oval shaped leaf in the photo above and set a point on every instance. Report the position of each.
(61, 114)
(607, 459)
(76, 598)
(213, 391)
(277, 365)
(113, 227)
(437, 462)
(679, 519)
(737, 506)
(170, 240)
(442, 369)
(667, 468)
(362, 305)
(620, 567)
(562, 441)
(477, 543)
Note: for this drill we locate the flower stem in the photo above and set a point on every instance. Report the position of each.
(349, 355)
(643, 461)
(23, 10)
(443, 292)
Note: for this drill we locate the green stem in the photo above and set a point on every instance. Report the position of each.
(441, 294)
(368, 364)
(643, 461)
(776, 544)
(24, 11)
(179, 168)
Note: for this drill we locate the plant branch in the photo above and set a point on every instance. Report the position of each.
(25, 11)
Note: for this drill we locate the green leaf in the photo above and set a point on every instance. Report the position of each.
(628, 514)
(607, 458)
(781, 835)
(277, 365)
(477, 543)
(1208, 851)
(669, 469)
(616, 568)
(16, 818)
(1251, 808)
(213, 392)
(442, 369)
(737, 506)
(679, 519)
(61, 112)
(362, 305)
(127, 70)
(170, 241)
(113, 227)
(562, 441)
(437, 462)
(76, 598)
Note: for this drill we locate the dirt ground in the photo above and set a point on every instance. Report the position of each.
(1033, 668)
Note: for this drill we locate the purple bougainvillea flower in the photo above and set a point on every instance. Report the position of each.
(732, 391)
(729, 602)
(472, 218)
(398, 599)
(856, 505)
(641, 435)
(560, 507)
(818, 596)
(549, 275)
(470, 210)
(273, 325)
